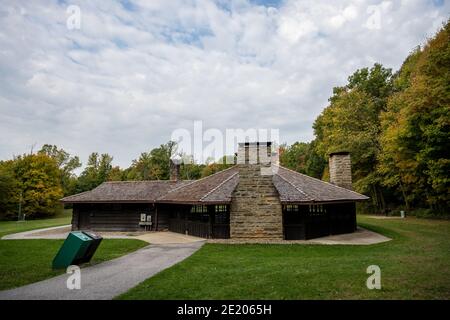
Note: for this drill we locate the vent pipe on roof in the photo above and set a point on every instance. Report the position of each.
(340, 166)
(174, 170)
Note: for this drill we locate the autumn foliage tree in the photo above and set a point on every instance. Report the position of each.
(397, 128)
(351, 123)
(9, 190)
(415, 140)
(39, 182)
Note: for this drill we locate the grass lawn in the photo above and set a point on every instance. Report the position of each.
(26, 261)
(7, 227)
(415, 265)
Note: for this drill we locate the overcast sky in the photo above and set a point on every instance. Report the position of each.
(137, 70)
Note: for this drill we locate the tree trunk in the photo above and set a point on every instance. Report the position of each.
(381, 200)
(404, 195)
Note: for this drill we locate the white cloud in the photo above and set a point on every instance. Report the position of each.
(128, 78)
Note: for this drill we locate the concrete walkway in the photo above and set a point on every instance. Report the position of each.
(167, 237)
(60, 232)
(152, 237)
(108, 279)
(360, 237)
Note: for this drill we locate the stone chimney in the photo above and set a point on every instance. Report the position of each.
(341, 169)
(254, 153)
(255, 211)
(174, 170)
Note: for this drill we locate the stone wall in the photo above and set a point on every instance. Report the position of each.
(255, 211)
(341, 170)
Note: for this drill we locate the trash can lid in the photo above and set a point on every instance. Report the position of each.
(92, 235)
(81, 235)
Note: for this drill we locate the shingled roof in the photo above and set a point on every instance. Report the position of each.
(293, 187)
(126, 191)
(216, 188)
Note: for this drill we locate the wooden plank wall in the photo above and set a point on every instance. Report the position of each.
(331, 219)
(183, 221)
(111, 217)
(75, 217)
(166, 211)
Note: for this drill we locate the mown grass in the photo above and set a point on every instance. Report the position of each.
(27, 261)
(8, 227)
(414, 265)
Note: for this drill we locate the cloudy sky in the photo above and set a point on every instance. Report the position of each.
(127, 74)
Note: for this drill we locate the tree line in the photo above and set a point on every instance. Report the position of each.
(396, 127)
(33, 183)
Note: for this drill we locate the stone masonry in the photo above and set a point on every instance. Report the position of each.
(174, 170)
(255, 211)
(341, 169)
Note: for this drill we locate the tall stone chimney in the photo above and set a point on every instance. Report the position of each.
(254, 153)
(341, 169)
(255, 211)
(174, 170)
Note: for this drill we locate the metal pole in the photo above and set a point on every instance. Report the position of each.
(20, 206)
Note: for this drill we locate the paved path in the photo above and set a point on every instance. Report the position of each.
(108, 279)
(360, 237)
(167, 237)
(153, 237)
(60, 232)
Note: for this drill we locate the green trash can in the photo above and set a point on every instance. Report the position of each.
(73, 250)
(96, 239)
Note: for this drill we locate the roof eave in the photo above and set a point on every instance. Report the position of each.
(105, 201)
(193, 202)
(321, 202)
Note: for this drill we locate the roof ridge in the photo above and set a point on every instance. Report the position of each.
(77, 194)
(219, 185)
(295, 187)
(141, 181)
(87, 191)
(194, 181)
(359, 194)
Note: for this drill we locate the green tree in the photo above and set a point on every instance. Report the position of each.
(66, 164)
(212, 166)
(96, 172)
(351, 123)
(303, 157)
(416, 127)
(39, 180)
(153, 165)
(104, 167)
(294, 156)
(189, 170)
(9, 191)
(315, 163)
(116, 174)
